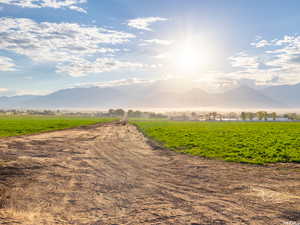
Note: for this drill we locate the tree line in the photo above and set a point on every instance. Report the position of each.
(263, 115)
(134, 114)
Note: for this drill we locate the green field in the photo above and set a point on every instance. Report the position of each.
(251, 142)
(19, 125)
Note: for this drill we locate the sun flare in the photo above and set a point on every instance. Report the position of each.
(188, 59)
(191, 57)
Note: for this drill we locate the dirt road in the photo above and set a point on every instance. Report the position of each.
(108, 174)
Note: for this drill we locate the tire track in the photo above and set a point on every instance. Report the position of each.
(108, 174)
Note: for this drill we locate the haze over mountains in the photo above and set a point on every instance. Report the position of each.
(158, 94)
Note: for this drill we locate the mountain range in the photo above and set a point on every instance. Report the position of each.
(158, 95)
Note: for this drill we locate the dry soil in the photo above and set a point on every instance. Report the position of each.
(110, 174)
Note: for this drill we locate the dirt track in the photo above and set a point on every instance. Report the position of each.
(108, 174)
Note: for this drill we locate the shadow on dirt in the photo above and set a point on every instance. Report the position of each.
(291, 216)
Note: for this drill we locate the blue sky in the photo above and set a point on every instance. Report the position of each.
(46, 45)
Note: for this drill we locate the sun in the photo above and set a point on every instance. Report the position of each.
(189, 57)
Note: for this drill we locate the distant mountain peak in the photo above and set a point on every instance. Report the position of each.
(158, 95)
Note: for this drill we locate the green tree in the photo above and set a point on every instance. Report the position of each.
(292, 116)
(220, 116)
(243, 115)
(260, 115)
(251, 115)
(214, 115)
(274, 115)
(233, 115)
(265, 116)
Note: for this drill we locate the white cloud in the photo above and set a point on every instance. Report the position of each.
(11, 92)
(163, 55)
(3, 89)
(157, 42)
(83, 67)
(58, 42)
(78, 9)
(32, 92)
(280, 64)
(144, 23)
(7, 64)
(261, 43)
(288, 40)
(116, 83)
(68, 4)
(7, 92)
(245, 61)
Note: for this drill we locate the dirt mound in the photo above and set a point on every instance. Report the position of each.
(110, 175)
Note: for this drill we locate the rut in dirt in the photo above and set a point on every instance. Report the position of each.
(109, 174)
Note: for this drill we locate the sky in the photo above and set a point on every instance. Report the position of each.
(47, 45)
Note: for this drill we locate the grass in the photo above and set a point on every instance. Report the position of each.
(20, 125)
(250, 142)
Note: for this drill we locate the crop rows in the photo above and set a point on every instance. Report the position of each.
(251, 142)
